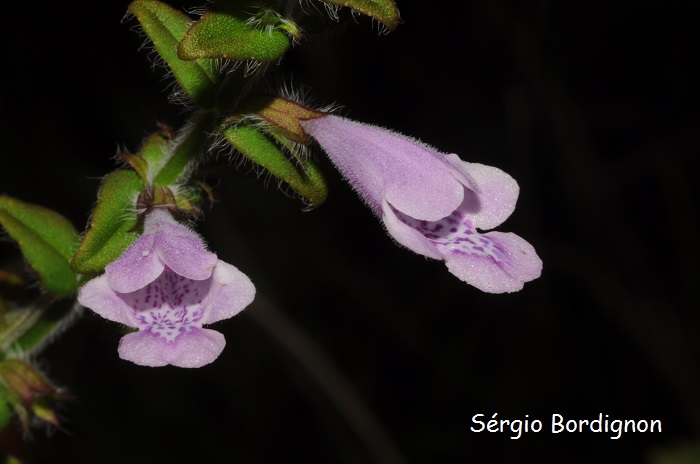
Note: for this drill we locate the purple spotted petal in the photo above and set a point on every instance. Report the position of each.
(502, 262)
(231, 291)
(170, 305)
(169, 313)
(194, 349)
(495, 262)
(138, 266)
(98, 296)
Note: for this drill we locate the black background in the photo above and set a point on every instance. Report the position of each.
(357, 350)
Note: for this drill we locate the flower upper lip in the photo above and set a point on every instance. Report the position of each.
(381, 164)
(163, 244)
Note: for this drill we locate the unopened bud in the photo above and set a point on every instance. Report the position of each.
(28, 392)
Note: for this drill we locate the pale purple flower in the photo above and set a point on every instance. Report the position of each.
(167, 285)
(433, 203)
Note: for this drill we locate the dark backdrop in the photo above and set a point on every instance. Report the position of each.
(357, 350)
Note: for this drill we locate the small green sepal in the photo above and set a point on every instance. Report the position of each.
(154, 149)
(268, 18)
(137, 163)
(151, 157)
(47, 241)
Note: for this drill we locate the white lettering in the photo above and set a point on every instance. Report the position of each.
(538, 423)
(477, 421)
(616, 427)
(517, 429)
(557, 421)
(493, 423)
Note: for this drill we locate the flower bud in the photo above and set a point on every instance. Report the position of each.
(28, 392)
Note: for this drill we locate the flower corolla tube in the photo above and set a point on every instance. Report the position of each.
(433, 203)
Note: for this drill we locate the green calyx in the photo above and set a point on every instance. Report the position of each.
(228, 30)
(284, 114)
(300, 174)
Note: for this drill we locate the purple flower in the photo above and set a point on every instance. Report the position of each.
(433, 203)
(168, 286)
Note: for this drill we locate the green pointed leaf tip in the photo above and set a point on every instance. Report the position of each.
(306, 180)
(113, 218)
(229, 30)
(150, 158)
(47, 241)
(268, 18)
(153, 151)
(138, 164)
(384, 11)
(166, 27)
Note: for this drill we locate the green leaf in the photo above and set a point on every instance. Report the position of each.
(109, 233)
(188, 147)
(303, 176)
(228, 30)
(384, 11)
(47, 241)
(166, 27)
